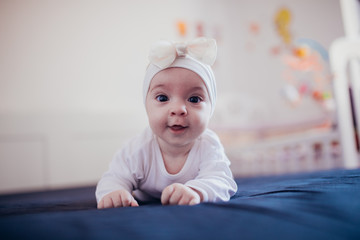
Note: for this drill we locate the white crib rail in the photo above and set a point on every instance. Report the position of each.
(298, 153)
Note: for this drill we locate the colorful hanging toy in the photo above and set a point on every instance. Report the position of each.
(306, 62)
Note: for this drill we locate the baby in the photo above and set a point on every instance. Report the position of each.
(177, 159)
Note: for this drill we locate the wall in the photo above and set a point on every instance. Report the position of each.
(71, 75)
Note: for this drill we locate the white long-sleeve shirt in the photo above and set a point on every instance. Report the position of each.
(139, 167)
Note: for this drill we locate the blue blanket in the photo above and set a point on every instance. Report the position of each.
(321, 205)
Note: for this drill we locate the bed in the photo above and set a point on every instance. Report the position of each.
(317, 205)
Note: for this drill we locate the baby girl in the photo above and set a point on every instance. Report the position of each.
(177, 159)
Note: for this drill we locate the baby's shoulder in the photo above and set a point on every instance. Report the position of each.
(210, 147)
(210, 138)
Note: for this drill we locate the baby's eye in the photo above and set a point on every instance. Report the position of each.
(162, 98)
(194, 99)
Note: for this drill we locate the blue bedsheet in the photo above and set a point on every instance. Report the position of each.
(321, 205)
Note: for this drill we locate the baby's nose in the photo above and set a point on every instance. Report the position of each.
(178, 109)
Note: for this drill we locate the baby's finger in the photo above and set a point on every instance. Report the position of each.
(116, 200)
(194, 201)
(126, 200)
(108, 202)
(175, 197)
(185, 200)
(165, 196)
(101, 204)
(134, 203)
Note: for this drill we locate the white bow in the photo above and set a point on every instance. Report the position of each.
(163, 53)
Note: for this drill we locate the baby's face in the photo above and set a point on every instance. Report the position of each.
(178, 106)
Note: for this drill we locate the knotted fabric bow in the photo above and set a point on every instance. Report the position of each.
(163, 53)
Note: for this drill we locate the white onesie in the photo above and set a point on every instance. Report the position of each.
(139, 167)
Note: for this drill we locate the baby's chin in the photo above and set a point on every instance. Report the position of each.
(179, 141)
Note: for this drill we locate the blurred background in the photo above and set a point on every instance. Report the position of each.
(71, 82)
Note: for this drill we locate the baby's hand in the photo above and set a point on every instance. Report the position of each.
(119, 198)
(179, 194)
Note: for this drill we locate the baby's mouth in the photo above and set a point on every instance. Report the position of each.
(177, 128)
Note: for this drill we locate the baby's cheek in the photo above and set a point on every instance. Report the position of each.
(204, 112)
(157, 121)
(199, 124)
(203, 117)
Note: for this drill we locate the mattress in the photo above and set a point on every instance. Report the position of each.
(317, 205)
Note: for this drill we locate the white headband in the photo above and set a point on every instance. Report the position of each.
(196, 56)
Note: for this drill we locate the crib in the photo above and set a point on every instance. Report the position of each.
(316, 148)
(300, 152)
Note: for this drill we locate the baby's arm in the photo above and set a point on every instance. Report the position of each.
(119, 198)
(214, 179)
(115, 186)
(179, 194)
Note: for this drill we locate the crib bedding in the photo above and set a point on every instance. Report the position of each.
(319, 205)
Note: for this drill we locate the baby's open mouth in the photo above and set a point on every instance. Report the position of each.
(177, 128)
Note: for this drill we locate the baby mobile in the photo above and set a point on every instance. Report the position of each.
(187, 29)
(306, 73)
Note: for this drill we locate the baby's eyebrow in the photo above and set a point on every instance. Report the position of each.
(198, 89)
(157, 86)
(164, 86)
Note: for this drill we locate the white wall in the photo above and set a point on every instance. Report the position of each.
(71, 75)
